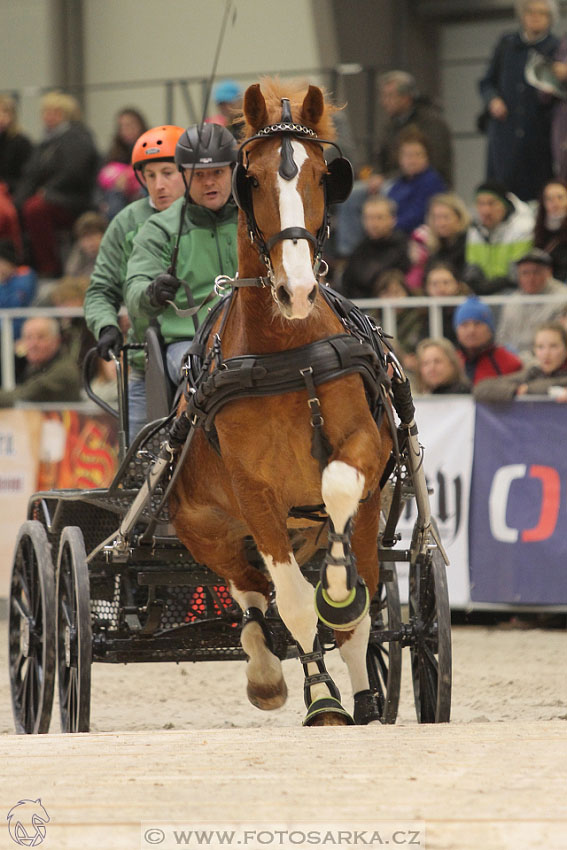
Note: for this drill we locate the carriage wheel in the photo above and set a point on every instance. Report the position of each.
(32, 631)
(384, 660)
(74, 637)
(430, 621)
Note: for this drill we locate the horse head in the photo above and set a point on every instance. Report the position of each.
(283, 187)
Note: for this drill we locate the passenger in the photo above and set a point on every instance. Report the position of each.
(439, 370)
(153, 159)
(50, 373)
(474, 325)
(206, 236)
(385, 247)
(548, 376)
(518, 322)
(501, 232)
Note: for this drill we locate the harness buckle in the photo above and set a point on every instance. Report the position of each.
(222, 283)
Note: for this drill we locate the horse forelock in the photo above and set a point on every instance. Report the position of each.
(274, 89)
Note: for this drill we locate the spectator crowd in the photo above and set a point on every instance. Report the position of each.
(69, 219)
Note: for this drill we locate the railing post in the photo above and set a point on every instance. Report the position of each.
(8, 371)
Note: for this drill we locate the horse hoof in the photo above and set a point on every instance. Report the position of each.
(366, 708)
(267, 697)
(342, 616)
(327, 711)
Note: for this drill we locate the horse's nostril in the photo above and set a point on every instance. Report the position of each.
(283, 296)
(313, 294)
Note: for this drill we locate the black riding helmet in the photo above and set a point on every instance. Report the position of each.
(205, 146)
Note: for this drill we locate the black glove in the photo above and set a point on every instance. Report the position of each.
(109, 339)
(162, 289)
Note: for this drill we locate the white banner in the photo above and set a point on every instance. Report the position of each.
(446, 431)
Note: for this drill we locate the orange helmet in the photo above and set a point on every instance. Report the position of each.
(157, 145)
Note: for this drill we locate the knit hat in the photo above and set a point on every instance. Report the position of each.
(473, 310)
(493, 187)
(536, 255)
(8, 252)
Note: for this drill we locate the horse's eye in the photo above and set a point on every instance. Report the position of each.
(254, 182)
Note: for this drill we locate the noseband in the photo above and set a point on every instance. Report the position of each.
(241, 190)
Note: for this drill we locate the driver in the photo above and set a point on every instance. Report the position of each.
(202, 225)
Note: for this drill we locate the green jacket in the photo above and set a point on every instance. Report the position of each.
(56, 380)
(207, 248)
(105, 295)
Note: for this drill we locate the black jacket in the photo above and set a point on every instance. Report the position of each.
(370, 259)
(14, 153)
(65, 166)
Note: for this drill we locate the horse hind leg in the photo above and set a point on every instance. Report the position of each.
(266, 688)
(341, 598)
(353, 648)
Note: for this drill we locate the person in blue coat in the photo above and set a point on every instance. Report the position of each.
(516, 118)
(417, 183)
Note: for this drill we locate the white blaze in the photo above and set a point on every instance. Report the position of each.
(296, 257)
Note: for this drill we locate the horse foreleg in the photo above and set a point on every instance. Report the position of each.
(342, 597)
(294, 595)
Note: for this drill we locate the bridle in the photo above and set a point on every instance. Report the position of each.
(337, 187)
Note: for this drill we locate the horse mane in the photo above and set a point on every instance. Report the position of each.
(273, 89)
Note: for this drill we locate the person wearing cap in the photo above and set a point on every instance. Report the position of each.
(228, 98)
(153, 158)
(518, 321)
(199, 231)
(517, 119)
(474, 326)
(500, 233)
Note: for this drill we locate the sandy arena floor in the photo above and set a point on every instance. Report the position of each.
(181, 743)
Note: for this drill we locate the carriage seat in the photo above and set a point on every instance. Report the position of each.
(160, 389)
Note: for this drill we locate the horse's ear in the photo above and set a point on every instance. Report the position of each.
(313, 106)
(254, 107)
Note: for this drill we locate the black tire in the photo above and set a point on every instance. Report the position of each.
(74, 636)
(32, 630)
(430, 623)
(384, 658)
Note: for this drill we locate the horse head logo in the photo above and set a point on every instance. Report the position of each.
(26, 823)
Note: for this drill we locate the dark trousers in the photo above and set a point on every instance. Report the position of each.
(42, 219)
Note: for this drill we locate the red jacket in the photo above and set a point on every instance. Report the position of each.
(490, 363)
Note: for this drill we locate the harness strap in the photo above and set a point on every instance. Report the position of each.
(321, 448)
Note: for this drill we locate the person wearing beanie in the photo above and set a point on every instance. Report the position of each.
(518, 322)
(17, 283)
(500, 233)
(474, 326)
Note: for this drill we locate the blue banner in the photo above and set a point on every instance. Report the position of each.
(518, 505)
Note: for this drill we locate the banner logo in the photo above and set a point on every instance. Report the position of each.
(500, 496)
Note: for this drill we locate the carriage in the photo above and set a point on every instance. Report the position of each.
(102, 575)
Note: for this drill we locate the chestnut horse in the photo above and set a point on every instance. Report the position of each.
(265, 466)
